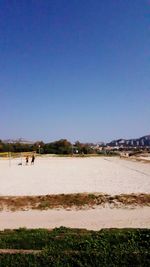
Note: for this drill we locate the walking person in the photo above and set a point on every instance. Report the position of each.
(33, 159)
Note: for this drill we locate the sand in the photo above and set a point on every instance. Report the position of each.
(144, 158)
(92, 219)
(55, 175)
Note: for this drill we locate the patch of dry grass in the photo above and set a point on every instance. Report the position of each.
(78, 201)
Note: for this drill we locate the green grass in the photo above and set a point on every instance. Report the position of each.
(77, 247)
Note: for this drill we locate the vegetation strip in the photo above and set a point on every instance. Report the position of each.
(75, 247)
(78, 201)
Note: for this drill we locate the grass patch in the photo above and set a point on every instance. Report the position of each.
(75, 247)
(78, 201)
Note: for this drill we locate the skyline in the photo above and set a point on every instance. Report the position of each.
(76, 70)
(24, 140)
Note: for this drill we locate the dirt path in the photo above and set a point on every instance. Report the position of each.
(92, 219)
(19, 251)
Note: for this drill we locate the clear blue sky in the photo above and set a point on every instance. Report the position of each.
(75, 69)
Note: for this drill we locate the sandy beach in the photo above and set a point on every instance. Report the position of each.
(56, 175)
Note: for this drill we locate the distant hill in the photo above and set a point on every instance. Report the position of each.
(138, 142)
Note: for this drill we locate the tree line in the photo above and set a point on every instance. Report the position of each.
(62, 146)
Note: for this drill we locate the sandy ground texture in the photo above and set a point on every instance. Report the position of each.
(92, 219)
(56, 175)
(144, 158)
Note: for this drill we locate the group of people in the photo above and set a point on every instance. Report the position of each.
(32, 159)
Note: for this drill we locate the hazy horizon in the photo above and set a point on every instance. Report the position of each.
(88, 141)
(74, 69)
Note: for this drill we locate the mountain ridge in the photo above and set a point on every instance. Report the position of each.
(139, 142)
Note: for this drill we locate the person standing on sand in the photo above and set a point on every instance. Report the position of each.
(32, 160)
(27, 160)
